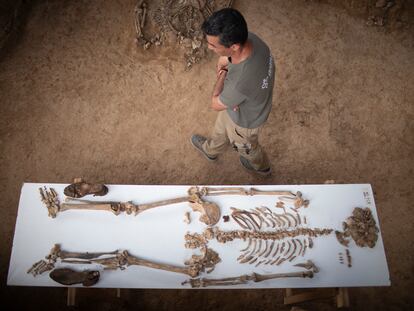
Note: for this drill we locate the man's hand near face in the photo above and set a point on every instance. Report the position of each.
(222, 63)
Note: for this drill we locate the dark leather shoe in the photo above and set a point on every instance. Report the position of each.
(66, 276)
(80, 188)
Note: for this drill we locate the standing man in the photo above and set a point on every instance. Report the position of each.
(243, 91)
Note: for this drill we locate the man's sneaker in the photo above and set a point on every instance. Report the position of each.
(197, 141)
(246, 164)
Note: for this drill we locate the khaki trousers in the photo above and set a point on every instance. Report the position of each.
(245, 141)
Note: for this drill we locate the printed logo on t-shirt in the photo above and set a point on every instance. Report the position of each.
(265, 82)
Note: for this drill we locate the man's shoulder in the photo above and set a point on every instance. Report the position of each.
(259, 42)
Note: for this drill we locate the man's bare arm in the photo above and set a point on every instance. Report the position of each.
(216, 103)
(218, 87)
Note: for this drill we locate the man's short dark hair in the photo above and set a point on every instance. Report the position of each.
(229, 25)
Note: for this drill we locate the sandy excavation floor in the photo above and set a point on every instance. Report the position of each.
(78, 98)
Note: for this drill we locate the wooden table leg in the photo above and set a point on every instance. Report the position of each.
(342, 298)
(71, 301)
(317, 293)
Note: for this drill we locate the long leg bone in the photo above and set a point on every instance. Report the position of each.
(285, 195)
(210, 191)
(86, 255)
(210, 212)
(122, 259)
(244, 279)
(131, 260)
(114, 208)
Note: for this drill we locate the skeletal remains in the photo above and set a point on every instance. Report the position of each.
(122, 259)
(286, 240)
(272, 238)
(180, 18)
(266, 247)
(361, 227)
(255, 277)
(210, 212)
(348, 258)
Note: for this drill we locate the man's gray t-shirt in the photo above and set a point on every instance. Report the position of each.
(249, 85)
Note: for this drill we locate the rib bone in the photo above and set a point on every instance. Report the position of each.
(308, 265)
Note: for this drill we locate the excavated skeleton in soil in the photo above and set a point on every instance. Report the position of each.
(122, 259)
(181, 18)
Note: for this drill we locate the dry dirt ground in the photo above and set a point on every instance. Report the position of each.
(78, 98)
